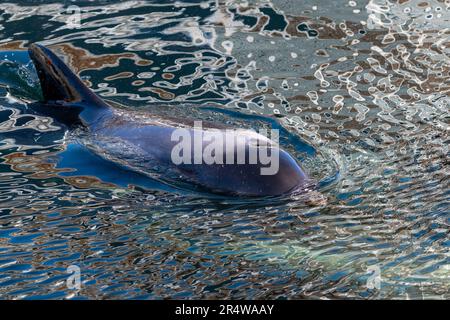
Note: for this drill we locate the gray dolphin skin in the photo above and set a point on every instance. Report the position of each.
(69, 101)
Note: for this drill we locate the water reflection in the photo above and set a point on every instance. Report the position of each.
(363, 82)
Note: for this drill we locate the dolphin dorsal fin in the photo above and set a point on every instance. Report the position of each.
(60, 85)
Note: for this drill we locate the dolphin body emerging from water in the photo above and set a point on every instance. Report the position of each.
(68, 100)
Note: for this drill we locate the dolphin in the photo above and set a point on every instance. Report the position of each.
(149, 145)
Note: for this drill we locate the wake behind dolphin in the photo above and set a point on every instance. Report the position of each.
(241, 162)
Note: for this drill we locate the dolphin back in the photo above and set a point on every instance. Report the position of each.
(63, 90)
(149, 147)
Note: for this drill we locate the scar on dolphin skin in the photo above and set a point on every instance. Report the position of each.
(70, 102)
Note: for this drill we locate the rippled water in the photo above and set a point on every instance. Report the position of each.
(360, 88)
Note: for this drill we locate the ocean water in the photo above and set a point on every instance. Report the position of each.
(359, 90)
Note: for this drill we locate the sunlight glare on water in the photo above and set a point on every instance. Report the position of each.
(360, 88)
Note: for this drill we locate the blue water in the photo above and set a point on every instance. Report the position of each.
(359, 90)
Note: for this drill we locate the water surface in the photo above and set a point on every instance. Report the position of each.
(360, 89)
